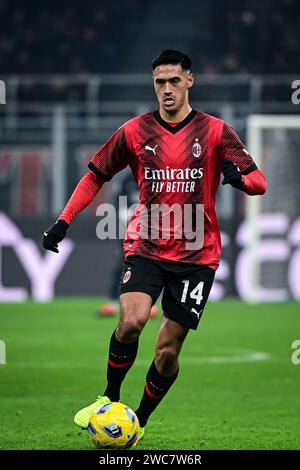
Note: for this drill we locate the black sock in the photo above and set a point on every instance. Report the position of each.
(156, 388)
(120, 359)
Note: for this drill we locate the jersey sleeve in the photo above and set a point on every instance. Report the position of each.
(82, 196)
(112, 157)
(233, 149)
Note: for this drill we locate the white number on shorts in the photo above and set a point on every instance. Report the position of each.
(195, 294)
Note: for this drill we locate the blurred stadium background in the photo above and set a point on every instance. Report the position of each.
(74, 71)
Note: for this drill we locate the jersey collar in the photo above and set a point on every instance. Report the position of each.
(181, 125)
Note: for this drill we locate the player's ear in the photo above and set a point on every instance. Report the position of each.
(191, 79)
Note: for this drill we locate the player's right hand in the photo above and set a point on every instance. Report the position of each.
(55, 234)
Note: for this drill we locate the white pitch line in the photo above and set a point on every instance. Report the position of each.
(248, 356)
(254, 356)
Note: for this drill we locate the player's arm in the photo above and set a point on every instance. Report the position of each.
(111, 158)
(83, 194)
(238, 166)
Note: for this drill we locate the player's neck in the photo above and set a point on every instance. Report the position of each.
(177, 117)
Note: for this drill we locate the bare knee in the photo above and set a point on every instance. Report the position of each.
(169, 343)
(134, 314)
(128, 330)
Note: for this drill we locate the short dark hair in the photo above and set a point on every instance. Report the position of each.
(170, 56)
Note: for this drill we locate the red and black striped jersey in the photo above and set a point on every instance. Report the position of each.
(178, 165)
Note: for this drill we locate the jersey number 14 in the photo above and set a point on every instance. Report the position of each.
(195, 294)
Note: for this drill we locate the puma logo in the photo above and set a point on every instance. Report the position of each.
(147, 147)
(197, 313)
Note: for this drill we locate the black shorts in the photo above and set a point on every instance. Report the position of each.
(186, 286)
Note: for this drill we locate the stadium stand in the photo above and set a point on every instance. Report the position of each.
(98, 36)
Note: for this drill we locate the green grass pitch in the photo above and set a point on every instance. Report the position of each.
(237, 387)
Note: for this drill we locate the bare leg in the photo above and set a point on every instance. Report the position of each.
(168, 346)
(135, 311)
(164, 369)
(134, 314)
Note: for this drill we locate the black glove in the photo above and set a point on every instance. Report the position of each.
(55, 234)
(232, 174)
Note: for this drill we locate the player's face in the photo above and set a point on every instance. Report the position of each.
(171, 85)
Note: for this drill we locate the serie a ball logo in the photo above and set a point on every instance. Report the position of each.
(114, 426)
(196, 149)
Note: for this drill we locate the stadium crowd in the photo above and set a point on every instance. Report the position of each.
(247, 36)
(250, 36)
(61, 37)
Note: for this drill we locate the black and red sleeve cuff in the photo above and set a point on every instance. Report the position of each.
(248, 170)
(98, 172)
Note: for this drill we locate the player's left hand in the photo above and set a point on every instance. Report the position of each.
(232, 174)
(55, 234)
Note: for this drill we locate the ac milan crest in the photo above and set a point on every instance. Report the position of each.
(127, 276)
(196, 149)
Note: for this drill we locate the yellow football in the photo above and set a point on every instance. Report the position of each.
(113, 426)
